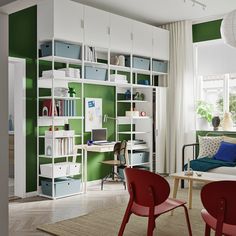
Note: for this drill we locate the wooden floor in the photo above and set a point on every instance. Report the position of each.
(25, 215)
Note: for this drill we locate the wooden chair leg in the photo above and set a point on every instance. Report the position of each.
(125, 219)
(151, 225)
(207, 230)
(187, 220)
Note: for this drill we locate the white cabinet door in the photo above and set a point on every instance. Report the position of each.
(142, 39)
(68, 16)
(120, 33)
(96, 25)
(160, 43)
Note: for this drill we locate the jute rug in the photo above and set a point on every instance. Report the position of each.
(107, 222)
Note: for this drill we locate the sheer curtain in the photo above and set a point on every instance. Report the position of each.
(180, 94)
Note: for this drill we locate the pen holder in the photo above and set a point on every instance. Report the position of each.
(188, 172)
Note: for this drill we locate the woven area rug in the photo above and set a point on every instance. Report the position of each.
(107, 222)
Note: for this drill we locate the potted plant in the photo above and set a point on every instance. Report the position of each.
(204, 110)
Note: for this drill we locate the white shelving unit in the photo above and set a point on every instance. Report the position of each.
(89, 27)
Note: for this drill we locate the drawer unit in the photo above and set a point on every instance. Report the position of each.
(62, 187)
(138, 63)
(159, 66)
(73, 168)
(95, 73)
(61, 49)
(138, 158)
(59, 170)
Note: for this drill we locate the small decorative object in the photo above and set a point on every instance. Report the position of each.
(215, 122)
(136, 96)
(127, 95)
(72, 92)
(121, 60)
(143, 113)
(227, 122)
(142, 96)
(189, 171)
(89, 142)
(199, 174)
(67, 127)
(55, 128)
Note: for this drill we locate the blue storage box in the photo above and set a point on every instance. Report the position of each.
(95, 73)
(138, 63)
(138, 158)
(62, 186)
(144, 82)
(61, 49)
(159, 66)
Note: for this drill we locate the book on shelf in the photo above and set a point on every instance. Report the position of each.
(90, 54)
(62, 108)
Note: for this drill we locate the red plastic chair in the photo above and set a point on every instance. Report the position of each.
(219, 200)
(149, 198)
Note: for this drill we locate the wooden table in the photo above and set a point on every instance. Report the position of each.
(205, 178)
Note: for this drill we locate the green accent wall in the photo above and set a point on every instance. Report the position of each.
(206, 31)
(23, 44)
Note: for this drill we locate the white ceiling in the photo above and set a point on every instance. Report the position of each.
(158, 12)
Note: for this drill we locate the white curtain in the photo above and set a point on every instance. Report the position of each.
(180, 94)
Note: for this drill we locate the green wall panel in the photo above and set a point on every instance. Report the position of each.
(206, 31)
(23, 44)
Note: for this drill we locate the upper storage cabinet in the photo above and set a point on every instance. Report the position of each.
(160, 44)
(142, 39)
(60, 20)
(120, 33)
(96, 27)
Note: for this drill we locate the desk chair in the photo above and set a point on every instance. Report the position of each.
(149, 198)
(120, 161)
(218, 199)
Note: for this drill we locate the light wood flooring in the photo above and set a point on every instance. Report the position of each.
(27, 214)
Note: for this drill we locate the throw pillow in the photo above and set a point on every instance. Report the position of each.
(229, 139)
(208, 146)
(226, 152)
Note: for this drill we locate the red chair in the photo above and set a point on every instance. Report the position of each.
(219, 201)
(149, 198)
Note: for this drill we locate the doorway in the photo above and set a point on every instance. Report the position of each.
(16, 127)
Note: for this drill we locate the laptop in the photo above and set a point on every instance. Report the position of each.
(99, 136)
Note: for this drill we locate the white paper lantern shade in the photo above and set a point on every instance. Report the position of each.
(228, 29)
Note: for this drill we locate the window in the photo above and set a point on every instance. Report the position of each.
(220, 91)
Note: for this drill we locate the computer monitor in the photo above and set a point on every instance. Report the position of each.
(99, 135)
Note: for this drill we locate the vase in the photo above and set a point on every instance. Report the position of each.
(215, 122)
(227, 122)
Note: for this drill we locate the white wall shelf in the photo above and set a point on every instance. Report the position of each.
(61, 156)
(61, 60)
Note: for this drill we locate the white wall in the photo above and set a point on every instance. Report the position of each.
(4, 124)
(215, 57)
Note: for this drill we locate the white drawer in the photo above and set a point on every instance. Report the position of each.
(59, 169)
(73, 168)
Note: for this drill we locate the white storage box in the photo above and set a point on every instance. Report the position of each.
(61, 92)
(118, 78)
(132, 113)
(53, 74)
(73, 168)
(59, 169)
(71, 72)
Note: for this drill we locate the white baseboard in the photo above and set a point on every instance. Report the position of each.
(94, 182)
(31, 194)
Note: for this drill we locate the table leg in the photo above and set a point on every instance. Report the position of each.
(190, 193)
(85, 170)
(175, 190)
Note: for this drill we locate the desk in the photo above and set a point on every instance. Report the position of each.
(92, 148)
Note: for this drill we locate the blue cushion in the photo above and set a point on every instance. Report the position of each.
(226, 152)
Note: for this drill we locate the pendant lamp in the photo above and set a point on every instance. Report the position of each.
(228, 29)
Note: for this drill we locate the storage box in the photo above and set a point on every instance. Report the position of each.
(159, 66)
(117, 78)
(138, 63)
(59, 170)
(62, 187)
(132, 113)
(95, 73)
(53, 74)
(73, 168)
(138, 158)
(59, 133)
(71, 72)
(61, 49)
